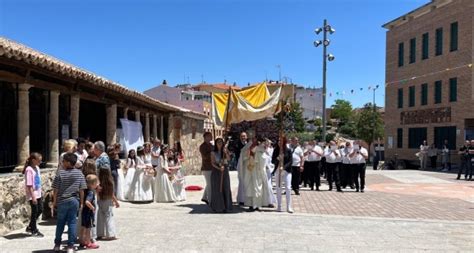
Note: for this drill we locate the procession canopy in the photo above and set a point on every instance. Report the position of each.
(247, 105)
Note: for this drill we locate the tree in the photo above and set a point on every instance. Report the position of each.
(366, 130)
(341, 111)
(296, 115)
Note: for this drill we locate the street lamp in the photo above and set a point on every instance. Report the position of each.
(326, 57)
(374, 118)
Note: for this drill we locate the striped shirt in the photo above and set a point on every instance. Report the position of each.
(68, 182)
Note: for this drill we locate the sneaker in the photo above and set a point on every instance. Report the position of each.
(92, 246)
(37, 234)
(290, 210)
(28, 229)
(362, 190)
(70, 250)
(57, 248)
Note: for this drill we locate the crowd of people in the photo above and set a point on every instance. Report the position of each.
(90, 180)
(429, 153)
(291, 165)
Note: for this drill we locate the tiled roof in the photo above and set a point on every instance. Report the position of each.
(222, 86)
(19, 52)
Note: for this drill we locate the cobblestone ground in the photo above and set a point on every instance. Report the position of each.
(401, 211)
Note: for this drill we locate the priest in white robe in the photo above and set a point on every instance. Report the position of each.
(256, 184)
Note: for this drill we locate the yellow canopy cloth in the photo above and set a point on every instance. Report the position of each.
(247, 105)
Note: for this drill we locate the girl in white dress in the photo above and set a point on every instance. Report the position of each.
(164, 190)
(141, 186)
(126, 175)
(178, 179)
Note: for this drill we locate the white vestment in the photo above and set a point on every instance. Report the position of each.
(256, 184)
(241, 170)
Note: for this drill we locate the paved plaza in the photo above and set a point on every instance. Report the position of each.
(401, 211)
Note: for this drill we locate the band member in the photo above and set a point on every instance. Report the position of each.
(333, 156)
(313, 154)
(358, 156)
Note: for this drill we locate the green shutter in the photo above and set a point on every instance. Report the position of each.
(426, 50)
(400, 138)
(413, 50)
(411, 94)
(439, 41)
(438, 88)
(400, 98)
(453, 90)
(401, 59)
(424, 94)
(454, 37)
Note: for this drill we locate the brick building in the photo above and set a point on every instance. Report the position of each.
(429, 74)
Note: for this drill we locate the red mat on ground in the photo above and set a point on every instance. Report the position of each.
(193, 188)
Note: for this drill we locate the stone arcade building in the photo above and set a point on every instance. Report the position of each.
(429, 74)
(44, 100)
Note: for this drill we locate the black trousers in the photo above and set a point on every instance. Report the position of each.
(346, 173)
(313, 173)
(36, 211)
(295, 179)
(433, 161)
(359, 174)
(332, 170)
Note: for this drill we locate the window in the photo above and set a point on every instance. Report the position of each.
(413, 50)
(425, 50)
(416, 136)
(424, 94)
(400, 138)
(453, 90)
(454, 37)
(411, 96)
(437, 92)
(401, 59)
(400, 98)
(445, 133)
(439, 41)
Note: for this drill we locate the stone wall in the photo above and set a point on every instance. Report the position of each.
(189, 132)
(14, 208)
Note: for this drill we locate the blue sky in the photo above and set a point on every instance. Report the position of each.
(140, 43)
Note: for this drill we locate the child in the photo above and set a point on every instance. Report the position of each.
(88, 210)
(68, 186)
(105, 217)
(33, 191)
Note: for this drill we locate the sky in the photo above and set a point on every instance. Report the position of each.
(139, 43)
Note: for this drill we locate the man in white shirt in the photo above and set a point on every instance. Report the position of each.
(297, 165)
(357, 158)
(155, 153)
(345, 171)
(313, 154)
(333, 156)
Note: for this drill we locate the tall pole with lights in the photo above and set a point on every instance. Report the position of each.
(374, 123)
(326, 57)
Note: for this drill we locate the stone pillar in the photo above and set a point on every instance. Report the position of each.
(75, 115)
(23, 125)
(137, 116)
(125, 113)
(111, 124)
(53, 127)
(147, 126)
(162, 133)
(155, 127)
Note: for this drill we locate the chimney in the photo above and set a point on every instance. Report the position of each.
(165, 83)
(235, 84)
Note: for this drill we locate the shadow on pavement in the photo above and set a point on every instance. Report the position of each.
(205, 209)
(17, 236)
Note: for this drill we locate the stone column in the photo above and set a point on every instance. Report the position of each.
(137, 116)
(75, 115)
(23, 125)
(111, 124)
(125, 113)
(147, 126)
(162, 133)
(155, 127)
(53, 127)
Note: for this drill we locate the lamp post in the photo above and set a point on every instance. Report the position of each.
(374, 118)
(325, 42)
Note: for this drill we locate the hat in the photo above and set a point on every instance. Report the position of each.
(268, 140)
(140, 148)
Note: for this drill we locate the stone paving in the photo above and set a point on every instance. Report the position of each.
(316, 227)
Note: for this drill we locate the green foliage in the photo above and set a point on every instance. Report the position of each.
(365, 124)
(302, 136)
(296, 114)
(341, 110)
